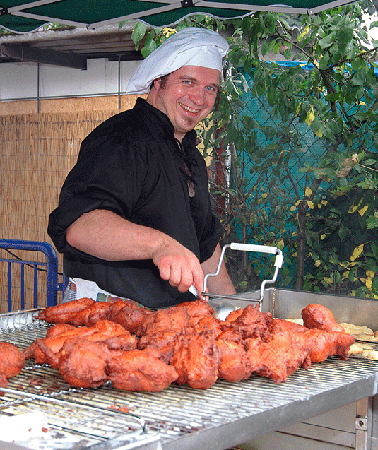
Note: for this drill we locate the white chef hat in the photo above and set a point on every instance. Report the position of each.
(188, 47)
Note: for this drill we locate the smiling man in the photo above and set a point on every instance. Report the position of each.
(187, 96)
(134, 218)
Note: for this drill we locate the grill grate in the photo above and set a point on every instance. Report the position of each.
(83, 418)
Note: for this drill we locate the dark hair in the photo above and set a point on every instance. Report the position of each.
(163, 81)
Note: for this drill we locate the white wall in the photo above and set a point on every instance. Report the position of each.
(20, 80)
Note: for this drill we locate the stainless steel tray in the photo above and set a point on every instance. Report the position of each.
(226, 415)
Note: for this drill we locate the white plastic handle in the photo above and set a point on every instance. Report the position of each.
(193, 290)
(253, 248)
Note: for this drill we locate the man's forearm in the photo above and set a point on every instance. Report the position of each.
(108, 236)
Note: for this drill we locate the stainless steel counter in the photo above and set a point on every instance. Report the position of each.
(226, 415)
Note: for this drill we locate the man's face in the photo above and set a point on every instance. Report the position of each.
(187, 97)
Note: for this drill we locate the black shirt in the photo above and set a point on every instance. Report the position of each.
(132, 165)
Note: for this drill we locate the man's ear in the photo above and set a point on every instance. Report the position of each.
(157, 83)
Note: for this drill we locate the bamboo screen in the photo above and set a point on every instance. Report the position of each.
(37, 152)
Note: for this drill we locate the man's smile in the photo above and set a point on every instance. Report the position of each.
(191, 110)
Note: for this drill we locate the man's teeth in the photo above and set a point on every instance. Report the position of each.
(189, 109)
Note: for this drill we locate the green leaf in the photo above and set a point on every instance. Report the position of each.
(149, 45)
(343, 232)
(372, 222)
(327, 41)
(138, 33)
(374, 248)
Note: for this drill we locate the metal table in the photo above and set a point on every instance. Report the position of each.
(182, 418)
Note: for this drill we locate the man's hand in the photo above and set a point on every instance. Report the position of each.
(179, 266)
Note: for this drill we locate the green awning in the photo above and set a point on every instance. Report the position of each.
(23, 15)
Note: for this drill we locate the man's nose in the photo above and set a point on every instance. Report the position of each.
(198, 96)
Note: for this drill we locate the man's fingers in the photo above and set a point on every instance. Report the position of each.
(182, 277)
(165, 271)
(180, 267)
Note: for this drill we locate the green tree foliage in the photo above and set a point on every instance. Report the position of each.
(278, 196)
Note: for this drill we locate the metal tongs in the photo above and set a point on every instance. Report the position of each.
(246, 248)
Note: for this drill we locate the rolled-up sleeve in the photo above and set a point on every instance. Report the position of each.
(108, 175)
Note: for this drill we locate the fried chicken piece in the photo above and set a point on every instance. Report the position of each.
(111, 333)
(282, 325)
(83, 364)
(277, 358)
(173, 319)
(320, 317)
(211, 323)
(325, 343)
(54, 343)
(123, 342)
(128, 314)
(92, 314)
(251, 322)
(53, 331)
(197, 308)
(106, 328)
(59, 329)
(117, 305)
(164, 341)
(161, 329)
(197, 360)
(141, 370)
(64, 312)
(233, 315)
(322, 343)
(12, 361)
(253, 363)
(233, 363)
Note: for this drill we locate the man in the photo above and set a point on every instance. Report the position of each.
(134, 217)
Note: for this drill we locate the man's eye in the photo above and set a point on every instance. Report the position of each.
(212, 89)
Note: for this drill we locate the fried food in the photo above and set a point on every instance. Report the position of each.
(12, 361)
(361, 333)
(282, 325)
(173, 319)
(141, 370)
(164, 341)
(54, 343)
(326, 343)
(320, 317)
(209, 323)
(289, 346)
(278, 358)
(91, 314)
(196, 360)
(47, 350)
(363, 350)
(59, 329)
(128, 314)
(251, 323)
(233, 362)
(143, 350)
(113, 335)
(198, 308)
(84, 364)
(64, 312)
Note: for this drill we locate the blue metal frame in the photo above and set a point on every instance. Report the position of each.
(51, 265)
